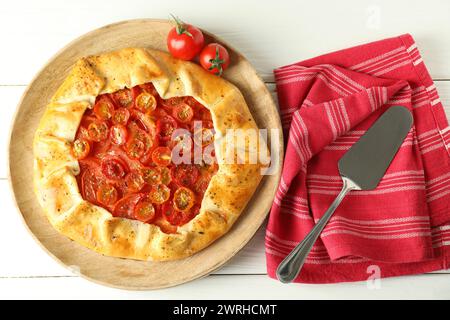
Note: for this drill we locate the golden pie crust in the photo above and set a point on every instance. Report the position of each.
(94, 227)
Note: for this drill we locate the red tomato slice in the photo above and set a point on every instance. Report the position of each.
(185, 174)
(170, 214)
(159, 194)
(118, 134)
(98, 131)
(104, 108)
(162, 156)
(134, 182)
(151, 175)
(145, 102)
(123, 98)
(125, 207)
(183, 199)
(81, 148)
(90, 181)
(107, 194)
(135, 148)
(113, 168)
(183, 113)
(144, 211)
(202, 184)
(121, 116)
(172, 102)
(204, 137)
(165, 175)
(165, 126)
(150, 88)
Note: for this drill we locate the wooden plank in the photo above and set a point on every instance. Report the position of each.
(274, 34)
(226, 287)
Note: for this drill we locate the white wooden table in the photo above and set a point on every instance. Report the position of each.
(270, 34)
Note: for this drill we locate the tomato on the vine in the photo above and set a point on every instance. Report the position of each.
(215, 58)
(184, 41)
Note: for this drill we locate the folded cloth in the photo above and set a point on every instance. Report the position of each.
(326, 104)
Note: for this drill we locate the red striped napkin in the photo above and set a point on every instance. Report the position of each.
(327, 103)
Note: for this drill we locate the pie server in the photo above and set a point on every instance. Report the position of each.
(361, 168)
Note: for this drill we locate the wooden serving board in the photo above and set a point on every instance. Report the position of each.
(123, 273)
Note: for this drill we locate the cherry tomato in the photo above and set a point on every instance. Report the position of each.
(183, 199)
(204, 137)
(81, 149)
(144, 211)
(118, 134)
(113, 168)
(125, 207)
(202, 184)
(123, 98)
(165, 175)
(107, 194)
(165, 126)
(134, 182)
(104, 108)
(159, 193)
(121, 116)
(171, 103)
(90, 180)
(162, 156)
(185, 174)
(183, 113)
(145, 102)
(151, 175)
(98, 131)
(184, 41)
(170, 214)
(135, 148)
(214, 58)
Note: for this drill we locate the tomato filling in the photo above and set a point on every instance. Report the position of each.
(125, 145)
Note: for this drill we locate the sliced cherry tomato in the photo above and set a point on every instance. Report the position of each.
(150, 88)
(151, 175)
(107, 194)
(162, 156)
(145, 102)
(202, 184)
(165, 175)
(159, 193)
(204, 137)
(185, 174)
(184, 41)
(113, 168)
(171, 103)
(98, 131)
(183, 113)
(118, 134)
(134, 182)
(135, 148)
(183, 199)
(215, 58)
(125, 207)
(121, 116)
(81, 148)
(144, 211)
(90, 180)
(104, 108)
(145, 120)
(165, 126)
(170, 214)
(123, 98)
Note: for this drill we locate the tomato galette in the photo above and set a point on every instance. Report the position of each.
(132, 156)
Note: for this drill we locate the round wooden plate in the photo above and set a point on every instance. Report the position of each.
(123, 273)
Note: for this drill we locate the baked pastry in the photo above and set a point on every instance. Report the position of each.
(104, 151)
